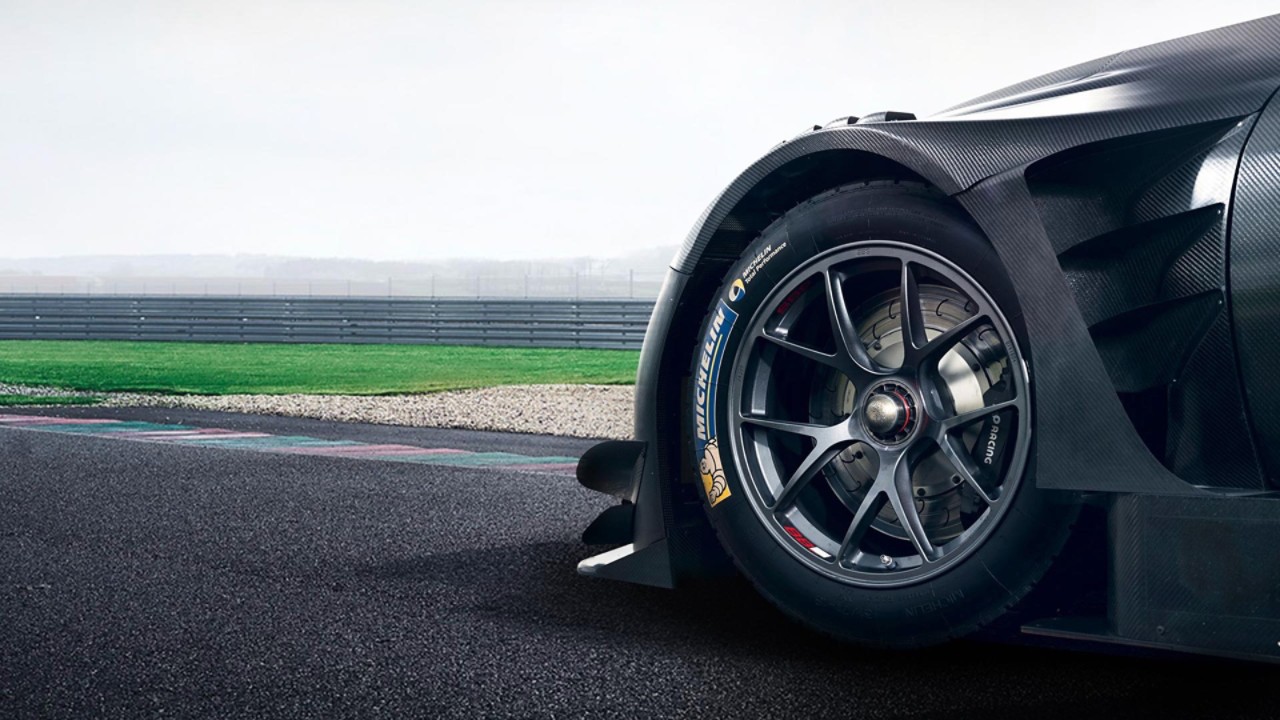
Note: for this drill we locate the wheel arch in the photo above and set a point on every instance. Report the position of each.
(790, 174)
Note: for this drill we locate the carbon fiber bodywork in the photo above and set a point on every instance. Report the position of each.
(1255, 292)
(1141, 263)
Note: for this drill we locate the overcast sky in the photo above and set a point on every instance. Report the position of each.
(432, 128)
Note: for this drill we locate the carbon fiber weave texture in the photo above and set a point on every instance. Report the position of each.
(1255, 281)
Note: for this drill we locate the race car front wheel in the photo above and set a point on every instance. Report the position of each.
(862, 421)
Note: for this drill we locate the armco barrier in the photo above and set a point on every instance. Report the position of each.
(616, 324)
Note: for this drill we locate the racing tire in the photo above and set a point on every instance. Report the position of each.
(870, 470)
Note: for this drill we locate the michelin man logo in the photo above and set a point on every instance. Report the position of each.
(713, 480)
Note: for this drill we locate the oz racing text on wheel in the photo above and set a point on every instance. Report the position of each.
(861, 416)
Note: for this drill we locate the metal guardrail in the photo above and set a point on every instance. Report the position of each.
(617, 324)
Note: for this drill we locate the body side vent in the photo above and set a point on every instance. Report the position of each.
(1101, 187)
(1130, 267)
(1139, 226)
(1147, 347)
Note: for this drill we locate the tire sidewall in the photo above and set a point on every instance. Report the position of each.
(978, 587)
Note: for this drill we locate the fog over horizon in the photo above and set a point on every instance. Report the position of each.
(258, 265)
(402, 131)
(635, 274)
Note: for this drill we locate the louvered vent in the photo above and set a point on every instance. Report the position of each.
(1139, 226)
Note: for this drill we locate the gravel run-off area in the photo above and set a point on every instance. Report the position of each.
(38, 391)
(588, 411)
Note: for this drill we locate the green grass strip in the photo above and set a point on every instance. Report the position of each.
(225, 368)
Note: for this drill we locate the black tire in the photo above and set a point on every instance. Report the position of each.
(1020, 544)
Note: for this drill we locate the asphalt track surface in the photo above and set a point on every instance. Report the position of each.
(147, 580)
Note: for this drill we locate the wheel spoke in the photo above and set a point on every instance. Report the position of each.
(821, 454)
(955, 456)
(910, 310)
(962, 419)
(904, 506)
(832, 360)
(866, 513)
(842, 327)
(933, 350)
(795, 428)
